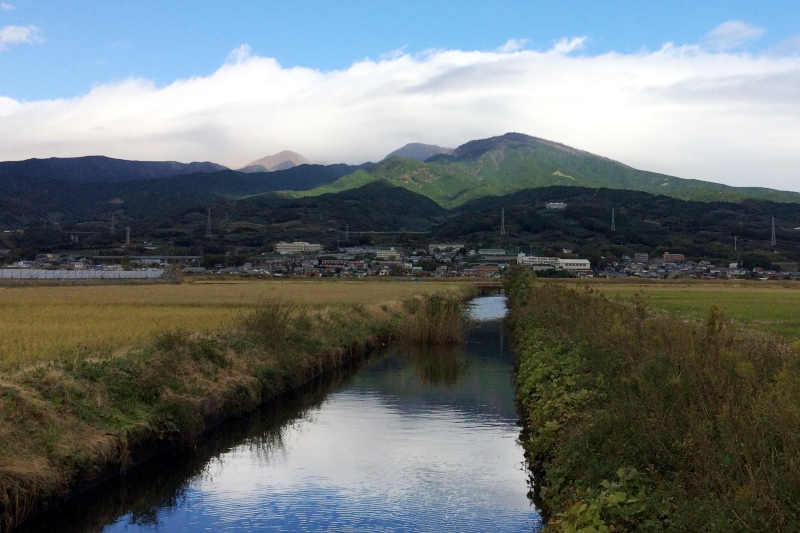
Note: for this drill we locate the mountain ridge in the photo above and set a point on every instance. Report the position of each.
(98, 168)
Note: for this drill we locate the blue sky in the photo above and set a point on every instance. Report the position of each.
(706, 90)
(94, 41)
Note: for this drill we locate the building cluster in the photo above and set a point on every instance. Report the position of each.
(669, 266)
(303, 259)
(439, 260)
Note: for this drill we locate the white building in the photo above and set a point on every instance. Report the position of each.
(297, 247)
(445, 246)
(555, 205)
(574, 265)
(389, 254)
(532, 260)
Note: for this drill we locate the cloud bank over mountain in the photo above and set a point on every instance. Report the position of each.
(708, 111)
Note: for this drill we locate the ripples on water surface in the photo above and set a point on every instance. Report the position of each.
(417, 440)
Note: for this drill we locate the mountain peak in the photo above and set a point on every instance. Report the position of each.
(474, 149)
(419, 151)
(280, 161)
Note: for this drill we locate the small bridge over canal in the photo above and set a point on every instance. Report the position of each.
(488, 288)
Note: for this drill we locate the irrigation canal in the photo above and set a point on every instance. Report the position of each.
(410, 440)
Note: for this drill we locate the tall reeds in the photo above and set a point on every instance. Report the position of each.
(437, 319)
(644, 421)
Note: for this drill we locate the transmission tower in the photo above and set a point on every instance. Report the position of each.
(773, 242)
(208, 224)
(613, 223)
(503, 222)
(128, 235)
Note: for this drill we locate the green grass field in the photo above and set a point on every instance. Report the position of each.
(768, 307)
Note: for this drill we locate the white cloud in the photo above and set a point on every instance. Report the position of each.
(565, 46)
(394, 54)
(732, 35)
(5, 6)
(687, 111)
(788, 46)
(19, 35)
(513, 45)
(239, 54)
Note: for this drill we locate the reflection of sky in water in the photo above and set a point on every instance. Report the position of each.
(488, 308)
(373, 457)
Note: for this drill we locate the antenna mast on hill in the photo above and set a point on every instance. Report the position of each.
(773, 242)
(208, 224)
(128, 235)
(503, 222)
(613, 224)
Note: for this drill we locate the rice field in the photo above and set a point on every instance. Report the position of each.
(46, 322)
(764, 306)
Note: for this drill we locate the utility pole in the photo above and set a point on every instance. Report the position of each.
(208, 225)
(773, 242)
(503, 222)
(613, 224)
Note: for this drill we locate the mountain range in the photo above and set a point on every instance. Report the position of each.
(451, 195)
(97, 169)
(513, 162)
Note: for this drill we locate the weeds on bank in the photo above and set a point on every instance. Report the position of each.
(434, 319)
(637, 421)
(63, 421)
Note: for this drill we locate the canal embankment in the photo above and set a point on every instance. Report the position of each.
(413, 437)
(67, 423)
(637, 420)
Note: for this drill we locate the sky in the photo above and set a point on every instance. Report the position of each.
(704, 90)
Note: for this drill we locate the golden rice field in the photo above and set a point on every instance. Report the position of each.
(45, 322)
(772, 307)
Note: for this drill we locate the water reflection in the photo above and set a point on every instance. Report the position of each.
(414, 441)
(437, 365)
(165, 482)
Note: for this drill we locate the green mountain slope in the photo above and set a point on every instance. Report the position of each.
(515, 162)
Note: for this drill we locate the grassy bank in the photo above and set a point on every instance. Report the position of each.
(641, 421)
(67, 421)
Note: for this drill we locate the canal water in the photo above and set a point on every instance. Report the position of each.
(411, 440)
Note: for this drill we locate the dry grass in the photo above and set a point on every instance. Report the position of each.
(43, 323)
